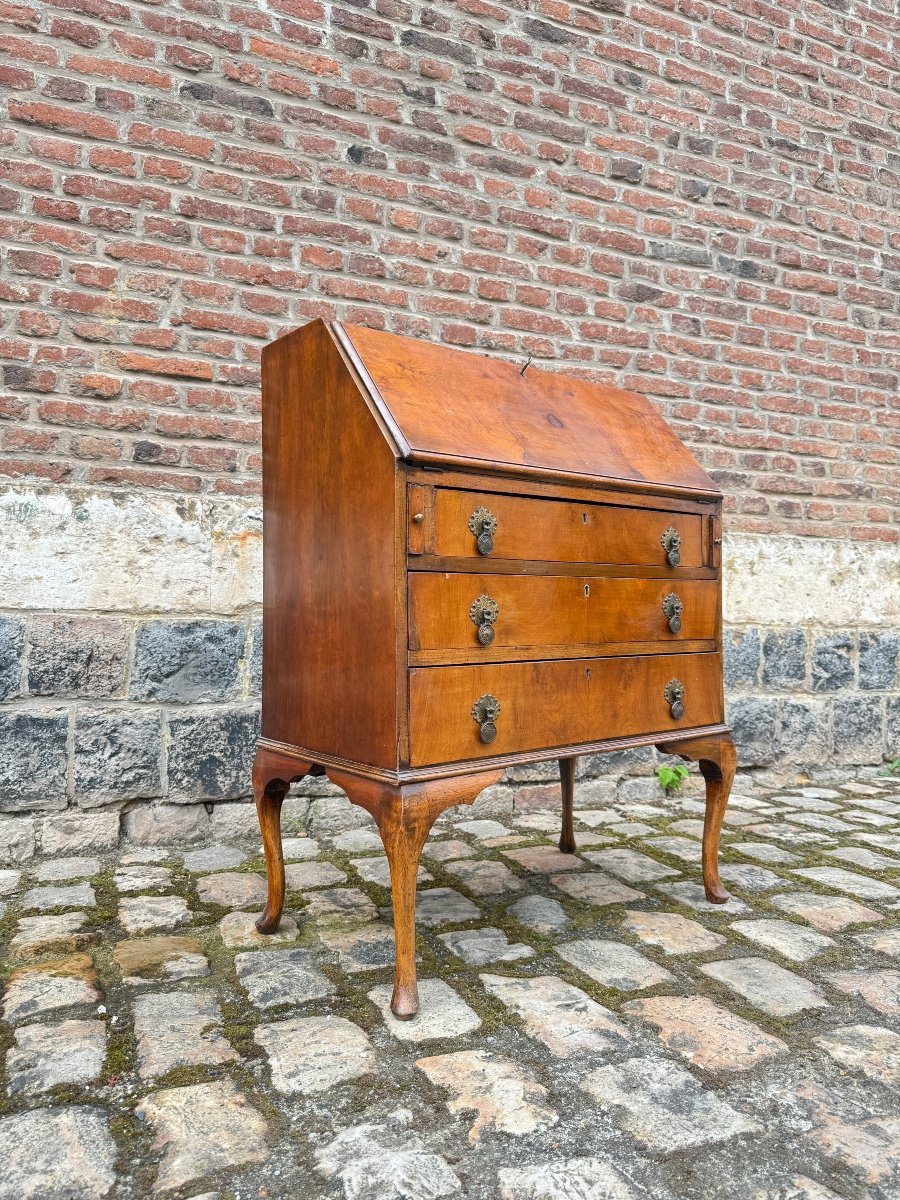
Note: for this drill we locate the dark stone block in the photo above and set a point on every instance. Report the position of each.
(699, 145)
(742, 657)
(878, 660)
(12, 645)
(187, 661)
(543, 31)
(784, 659)
(77, 656)
(746, 268)
(754, 725)
(416, 39)
(694, 256)
(211, 755)
(626, 168)
(256, 659)
(209, 93)
(805, 731)
(832, 666)
(694, 189)
(34, 760)
(858, 730)
(117, 756)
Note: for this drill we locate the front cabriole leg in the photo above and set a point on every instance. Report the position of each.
(717, 757)
(404, 814)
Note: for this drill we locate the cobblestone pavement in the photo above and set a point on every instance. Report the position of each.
(591, 1028)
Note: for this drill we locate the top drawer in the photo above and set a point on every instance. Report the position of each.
(482, 525)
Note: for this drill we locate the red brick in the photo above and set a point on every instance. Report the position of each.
(139, 477)
(23, 49)
(105, 387)
(178, 367)
(88, 446)
(30, 262)
(64, 120)
(76, 412)
(75, 31)
(19, 14)
(37, 324)
(189, 58)
(141, 134)
(187, 425)
(28, 174)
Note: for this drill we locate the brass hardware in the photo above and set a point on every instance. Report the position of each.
(671, 543)
(484, 613)
(483, 524)
(674, 696)
(672, 607)
(485, 711)
(418, 518)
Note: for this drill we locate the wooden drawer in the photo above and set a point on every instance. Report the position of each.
(563, 530)
(552, 616)
(561, 703)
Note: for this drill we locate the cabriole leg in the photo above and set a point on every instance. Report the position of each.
(567, 779)
(272, 776)
(404, 815)
(717, 757)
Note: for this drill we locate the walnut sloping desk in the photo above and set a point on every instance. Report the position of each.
(467, 567)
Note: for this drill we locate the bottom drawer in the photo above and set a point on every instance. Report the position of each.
(563, 702)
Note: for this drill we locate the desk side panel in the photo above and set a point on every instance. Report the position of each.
(329, 552)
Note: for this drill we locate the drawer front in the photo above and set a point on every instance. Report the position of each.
(556, 703)
(524, 527)
(486, 615)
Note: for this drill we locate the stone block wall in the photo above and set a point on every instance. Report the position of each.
(813, 697)
(115, 710)
(700, 201)
(103, 711)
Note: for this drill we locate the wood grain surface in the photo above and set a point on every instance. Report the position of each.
(468, 406)
(557, 703)
(559, 530)
(552, 611)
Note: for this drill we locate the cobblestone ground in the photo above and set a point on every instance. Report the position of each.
(591, 1029)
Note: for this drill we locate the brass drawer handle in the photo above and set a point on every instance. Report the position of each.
(673, 607)
(671, 543)
(485, 712)
(484, 613)
(674, 695)
(483, 524)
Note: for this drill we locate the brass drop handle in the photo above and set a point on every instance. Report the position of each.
(671, 543)
(672, 607)
(484, 612)
(483, 524)
(485, 712)
(674, 695)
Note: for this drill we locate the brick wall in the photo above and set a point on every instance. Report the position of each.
(698, 200)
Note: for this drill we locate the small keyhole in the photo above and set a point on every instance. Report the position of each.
(587, 589)
(587, 672)
(584, 518)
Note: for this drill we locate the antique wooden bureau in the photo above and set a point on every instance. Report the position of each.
(470, 564)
